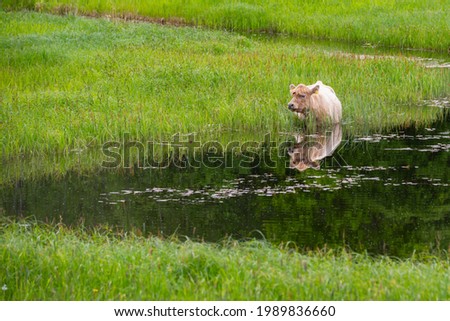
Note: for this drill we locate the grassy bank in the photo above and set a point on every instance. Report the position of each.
(406, 24)
(55, 263)
(69, 82)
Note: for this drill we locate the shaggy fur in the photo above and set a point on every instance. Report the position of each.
(317, 99)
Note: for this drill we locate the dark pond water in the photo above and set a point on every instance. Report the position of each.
(385, 194)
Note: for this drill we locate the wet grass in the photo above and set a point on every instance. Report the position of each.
(56, 263)
(405, 24)
(71, 83)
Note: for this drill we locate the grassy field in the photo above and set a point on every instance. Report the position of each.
(70, 82)
(406, 23)
(56, 263)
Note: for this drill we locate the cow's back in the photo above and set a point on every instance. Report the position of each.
(326, 103)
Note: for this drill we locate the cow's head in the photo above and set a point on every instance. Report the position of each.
(301, 96)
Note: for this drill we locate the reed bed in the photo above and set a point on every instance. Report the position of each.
(405, 24)
(68, 83)
(41, 262)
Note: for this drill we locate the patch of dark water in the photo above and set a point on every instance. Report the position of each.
(385, 194)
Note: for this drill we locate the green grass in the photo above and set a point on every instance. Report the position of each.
(74, 83)
(406, 23)
(56, 263)
(70, 82)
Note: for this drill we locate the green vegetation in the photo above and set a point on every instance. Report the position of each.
(406, 23)
(70, 82)
(55, 263)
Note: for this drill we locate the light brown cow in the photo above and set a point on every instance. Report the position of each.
(318, 99)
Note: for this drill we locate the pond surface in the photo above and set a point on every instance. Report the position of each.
(385, 194)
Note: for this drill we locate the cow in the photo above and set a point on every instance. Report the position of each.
(318, 99)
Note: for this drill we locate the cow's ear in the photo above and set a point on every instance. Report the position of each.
(291, 87)
(315, 90)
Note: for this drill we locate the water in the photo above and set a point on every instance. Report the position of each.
(384, 194)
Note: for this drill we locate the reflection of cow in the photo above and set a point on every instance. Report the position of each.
(310, 149)
(319, 99)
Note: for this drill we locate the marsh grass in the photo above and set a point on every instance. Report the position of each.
(42, 262)
(405, 24)
(70, 82)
